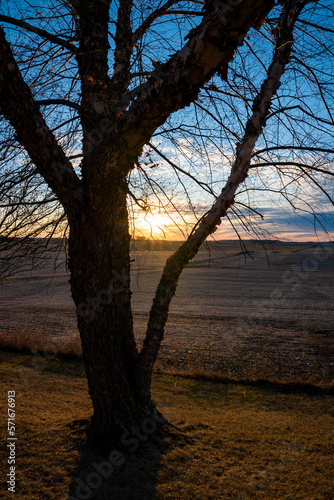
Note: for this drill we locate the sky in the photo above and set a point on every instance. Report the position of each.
(207, 157)
(208, 160)
(313, 221)
(278, 224)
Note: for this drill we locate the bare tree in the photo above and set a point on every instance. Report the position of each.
(62, 104)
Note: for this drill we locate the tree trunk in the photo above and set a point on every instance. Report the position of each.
(99, 247)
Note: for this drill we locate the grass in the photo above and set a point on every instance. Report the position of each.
(61, 344)
(257, 371)
(223, 440)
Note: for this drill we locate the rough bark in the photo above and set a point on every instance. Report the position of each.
(124, 47)
(100, 284)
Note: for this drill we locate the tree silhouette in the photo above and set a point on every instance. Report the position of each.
(94, 81)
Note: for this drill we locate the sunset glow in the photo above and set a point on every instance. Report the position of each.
(155, 225)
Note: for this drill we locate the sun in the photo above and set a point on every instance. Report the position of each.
(155, 224)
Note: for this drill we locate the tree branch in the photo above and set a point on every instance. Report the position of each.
(292, 147)
(176, 84)
(175, 167)
(46, 102)
(317, 26)
(293, 164)
(124, 46)
(92, 58)
(20, 109)
(308, 113)
(42, 33)
(151, 18)
(183, 13)
(209, 223)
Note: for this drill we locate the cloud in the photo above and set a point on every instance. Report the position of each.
(285, 225)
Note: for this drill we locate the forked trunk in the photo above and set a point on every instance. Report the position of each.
(119, 379)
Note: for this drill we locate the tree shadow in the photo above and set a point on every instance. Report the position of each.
(119, 474)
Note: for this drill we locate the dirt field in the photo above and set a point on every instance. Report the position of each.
(268, 314)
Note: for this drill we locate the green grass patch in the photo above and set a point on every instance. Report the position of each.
(223, 441)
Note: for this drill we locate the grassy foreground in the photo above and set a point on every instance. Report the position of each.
(223, 441)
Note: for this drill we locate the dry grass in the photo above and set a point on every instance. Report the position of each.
(38, 342)
(254, 374)
(224, 441)
(255, 371)
(249, 442)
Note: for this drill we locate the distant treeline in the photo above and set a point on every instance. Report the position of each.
(247, 244)
(142, 243)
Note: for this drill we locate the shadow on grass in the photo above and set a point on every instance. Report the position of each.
(125, 473)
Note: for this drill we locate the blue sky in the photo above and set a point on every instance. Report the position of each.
(296, 128)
